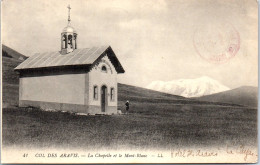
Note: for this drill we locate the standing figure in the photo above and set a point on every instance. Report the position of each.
(127, 106)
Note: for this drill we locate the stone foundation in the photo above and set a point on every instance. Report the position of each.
(87, 109)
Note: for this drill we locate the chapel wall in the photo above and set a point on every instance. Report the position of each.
(66, 88)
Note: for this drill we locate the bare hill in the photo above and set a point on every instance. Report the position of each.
(9, 52)
(138, 95)
(10, 81)
(245, 95)
(128, 92)
(10, 59)
(10, 78)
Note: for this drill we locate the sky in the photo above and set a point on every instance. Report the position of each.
(153, 39)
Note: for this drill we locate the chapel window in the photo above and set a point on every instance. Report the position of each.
(104, 69)
(95, 94)
(112, 94)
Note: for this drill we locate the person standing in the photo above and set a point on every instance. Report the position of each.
(127, 106)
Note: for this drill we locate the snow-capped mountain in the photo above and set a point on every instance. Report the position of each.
(189, 87)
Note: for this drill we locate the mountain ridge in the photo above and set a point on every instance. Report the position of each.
(244, 95)
(11, 53)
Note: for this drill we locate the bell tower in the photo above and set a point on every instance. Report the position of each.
(68, 37)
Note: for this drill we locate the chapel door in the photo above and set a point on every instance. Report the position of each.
(103, 98)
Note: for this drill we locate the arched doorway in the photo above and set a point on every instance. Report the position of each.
(103, 98)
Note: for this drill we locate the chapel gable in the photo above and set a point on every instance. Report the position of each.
(104, 65)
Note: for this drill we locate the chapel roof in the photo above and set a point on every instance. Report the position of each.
(85, 56)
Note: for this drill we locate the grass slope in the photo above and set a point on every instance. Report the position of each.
(137, 93)
(147, 96)
(10, 80)
(245, 95)
(148, 126)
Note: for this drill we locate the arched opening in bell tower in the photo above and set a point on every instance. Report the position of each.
(70, 45)
(64, 41)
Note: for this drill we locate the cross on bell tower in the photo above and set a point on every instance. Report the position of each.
(68, 37)
(69, 14)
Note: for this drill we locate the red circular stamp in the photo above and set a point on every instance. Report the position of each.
(216, 43)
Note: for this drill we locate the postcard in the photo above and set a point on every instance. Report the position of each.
(129, 81)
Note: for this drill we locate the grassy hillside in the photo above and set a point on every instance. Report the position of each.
(10, 79)
(137, 93)
(245, 95)
(9, 52)
(147, 97)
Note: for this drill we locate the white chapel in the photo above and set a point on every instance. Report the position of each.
(71, 79)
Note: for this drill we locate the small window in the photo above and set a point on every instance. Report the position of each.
(95, 92)
(112, 94)
(104, 69)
